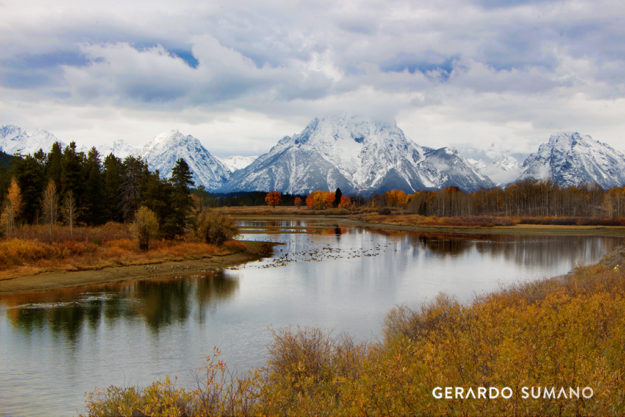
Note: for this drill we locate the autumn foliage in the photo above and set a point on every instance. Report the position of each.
(563, 332)
(395, 198)
(273, 198)
(319, 200)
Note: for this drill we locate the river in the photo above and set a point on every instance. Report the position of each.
(55, 347)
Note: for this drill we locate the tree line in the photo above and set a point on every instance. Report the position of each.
(77, 188)
(526, 198)
(531, 198)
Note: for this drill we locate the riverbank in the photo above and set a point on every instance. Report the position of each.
(236, 253)
(419, 224)
(554, 347)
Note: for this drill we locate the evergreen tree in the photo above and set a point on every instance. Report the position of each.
(181, 180)
(158, 197)
(72, 175)
(112, 183)
(54, 167)
(30, 175)
(94, 190)
(134, 171)
(337, 197)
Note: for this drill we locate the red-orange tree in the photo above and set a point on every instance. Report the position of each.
(273, 198)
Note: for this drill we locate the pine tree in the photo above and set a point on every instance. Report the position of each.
(54, 167)
(337, 197)
(94, 190)
(72, 174)
(181, 179)
(30, 176)
(134, 172)
(112, 183)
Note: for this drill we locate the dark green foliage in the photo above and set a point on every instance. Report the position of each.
(337, 197)
(94, 189)
(113, 178)
(181, 197)
(5, 165)
(72, 175)
(101, 191)
(54, 164)
(30, 176)
(134, 171)
(5, 161)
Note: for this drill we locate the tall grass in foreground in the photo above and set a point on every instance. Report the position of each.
(562, 332)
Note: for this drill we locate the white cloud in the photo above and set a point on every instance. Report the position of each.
(450, 71)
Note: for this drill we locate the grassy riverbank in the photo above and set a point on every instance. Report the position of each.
(183, 259)
(35, 260)
(562, 332)
(399, 221)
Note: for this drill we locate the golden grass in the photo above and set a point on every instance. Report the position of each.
(93, 248)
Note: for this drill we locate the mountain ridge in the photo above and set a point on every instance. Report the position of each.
(357, 154)
(570, 159)
(360, 155)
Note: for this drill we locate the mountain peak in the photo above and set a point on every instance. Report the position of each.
(14, 139)
(570, 159)
(356, 153)
(165, 149)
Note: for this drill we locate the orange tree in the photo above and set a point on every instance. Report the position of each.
(273, 198)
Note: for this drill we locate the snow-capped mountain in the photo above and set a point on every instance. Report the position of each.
(357, 154)
(14, 139)
(572, 159)
(234, 163)
(165, 149)
(119, 148)
(501, 167)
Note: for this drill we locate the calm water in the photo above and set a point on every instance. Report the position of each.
(56, 347)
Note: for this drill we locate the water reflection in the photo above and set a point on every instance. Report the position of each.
(58, 345)
(541, 251)
(159, 302)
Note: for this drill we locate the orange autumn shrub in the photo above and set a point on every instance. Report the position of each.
(273, 198)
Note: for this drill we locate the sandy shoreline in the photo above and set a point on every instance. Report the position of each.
(65, 279)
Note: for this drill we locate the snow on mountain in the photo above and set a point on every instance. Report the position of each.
(501, 167)
(119, 148)
(357, 154)
(234, 163)
(14, 139)
(165, 149)
(572, 159)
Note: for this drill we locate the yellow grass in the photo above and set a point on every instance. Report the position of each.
(92, 248)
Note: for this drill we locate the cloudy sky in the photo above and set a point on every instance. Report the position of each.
(241, 74)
